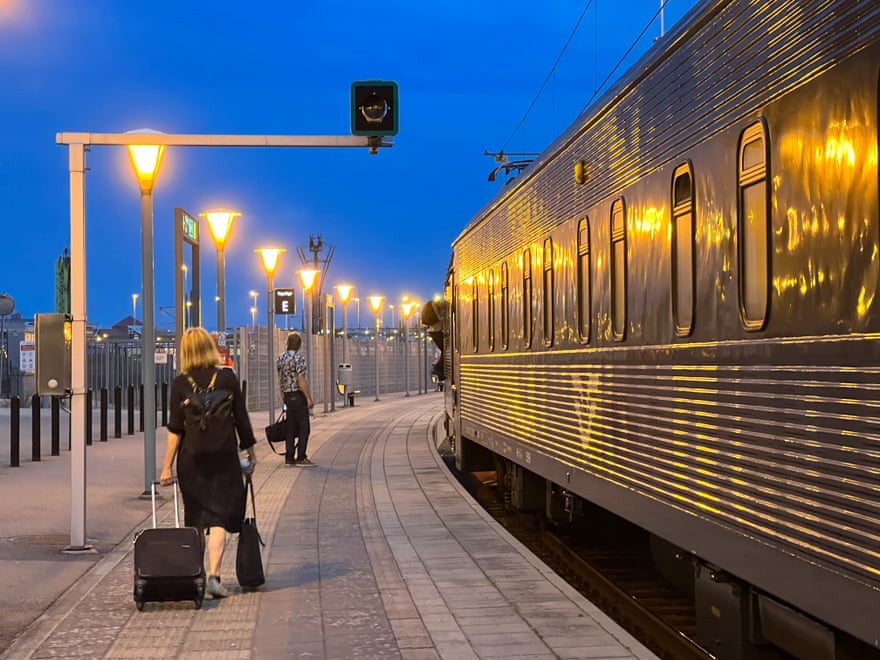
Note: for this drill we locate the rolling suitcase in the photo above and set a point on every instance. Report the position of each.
(168, 562)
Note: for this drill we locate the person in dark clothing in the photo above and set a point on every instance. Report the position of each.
(212, 485)
(292, 370)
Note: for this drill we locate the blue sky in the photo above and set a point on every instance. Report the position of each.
(467, 73)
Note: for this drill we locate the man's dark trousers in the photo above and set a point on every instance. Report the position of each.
(298, 426)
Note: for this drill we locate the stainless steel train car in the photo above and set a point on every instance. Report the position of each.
(673, 314)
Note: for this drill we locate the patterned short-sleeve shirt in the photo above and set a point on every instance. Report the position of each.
(290, 364)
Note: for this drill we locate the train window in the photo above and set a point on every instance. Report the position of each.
(548, 292)
(527, 298)
(475, 314)
(583, 279)
(683, 250)
(505, 312)
(618, 269)
(490, 310)
(753, 227)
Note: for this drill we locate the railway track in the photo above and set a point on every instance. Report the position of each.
(615, 574)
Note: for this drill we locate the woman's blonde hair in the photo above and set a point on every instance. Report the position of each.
(198, 349)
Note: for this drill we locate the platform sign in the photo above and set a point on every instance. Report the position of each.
(189, 228)
(285, 301)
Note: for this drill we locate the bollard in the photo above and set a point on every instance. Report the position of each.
(35, 428)
(117, 412)
(103, 414)
(164, 404)
(141, 407)
(14, 429)
(131, 409)
(88, 417)
(56, 426)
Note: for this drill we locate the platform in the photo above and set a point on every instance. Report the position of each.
(378, 552)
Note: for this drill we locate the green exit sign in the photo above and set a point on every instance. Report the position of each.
(190, 229)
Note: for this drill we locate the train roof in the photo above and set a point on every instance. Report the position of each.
(662, 49)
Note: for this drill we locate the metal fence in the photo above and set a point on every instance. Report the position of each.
(112, 363)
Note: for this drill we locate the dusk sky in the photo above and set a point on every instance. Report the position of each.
(468, 74)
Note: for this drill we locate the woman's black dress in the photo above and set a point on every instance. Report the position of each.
(212, 486)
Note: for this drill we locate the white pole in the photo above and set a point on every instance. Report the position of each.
(77, 166)
(148, 343)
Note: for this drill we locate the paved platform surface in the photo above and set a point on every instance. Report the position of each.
(377, 552)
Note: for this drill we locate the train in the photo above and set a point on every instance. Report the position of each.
(672, 314)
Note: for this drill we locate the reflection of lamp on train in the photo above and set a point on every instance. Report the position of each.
(376, 306)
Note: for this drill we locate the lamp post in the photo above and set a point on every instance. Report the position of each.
(376, 306)
(146, 159)
(358, 301)
(344, 293)
(220, 222)
(254, 295)
(134, 300)
(307, 276)
(406, 308)
(269, 256)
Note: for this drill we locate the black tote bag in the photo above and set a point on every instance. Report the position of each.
(248, 555)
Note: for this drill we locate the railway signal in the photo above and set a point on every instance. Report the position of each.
(374, 108)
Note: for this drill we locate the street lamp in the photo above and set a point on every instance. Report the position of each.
(406, 309)
(269, 256)
(254, 317)
(307, 276)
(376, 306)
(344, 293)
(358, 301)
(220, 222)
(134, 300)
(145, 158)
(254, 295)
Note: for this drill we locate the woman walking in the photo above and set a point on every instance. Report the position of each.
(210, 481)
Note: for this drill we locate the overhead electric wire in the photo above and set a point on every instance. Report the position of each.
(562, 53)
(549, 75)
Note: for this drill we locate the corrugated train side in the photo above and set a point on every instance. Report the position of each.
(672, 314)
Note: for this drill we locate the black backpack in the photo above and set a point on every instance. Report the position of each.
(207, 419)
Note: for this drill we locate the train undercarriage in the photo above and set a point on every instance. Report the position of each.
(734, 620)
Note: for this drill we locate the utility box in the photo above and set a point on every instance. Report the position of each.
(343, 375)
(52, 365)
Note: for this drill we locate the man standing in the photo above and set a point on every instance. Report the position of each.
(292, 370)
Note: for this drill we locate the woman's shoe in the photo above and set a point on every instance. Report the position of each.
(215, 589)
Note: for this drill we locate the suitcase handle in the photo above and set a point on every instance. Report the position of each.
(153, 496)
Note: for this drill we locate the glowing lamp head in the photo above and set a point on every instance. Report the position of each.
(344, 291)
(269, 257)
(376, 303)
(146, 158)
(220, 222)
(307, 276)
